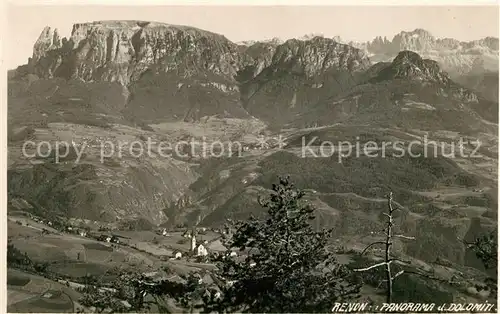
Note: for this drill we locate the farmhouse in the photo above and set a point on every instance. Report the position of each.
(108, 238)
(114, 239)
(103, 238)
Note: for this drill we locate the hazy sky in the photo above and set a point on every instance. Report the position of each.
(238, 23)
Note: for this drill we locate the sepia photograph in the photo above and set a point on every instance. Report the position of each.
(240, 158)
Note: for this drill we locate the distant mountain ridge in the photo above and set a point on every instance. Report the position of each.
(129, 52)
(454, 56)
(181, 73)
(137, 44)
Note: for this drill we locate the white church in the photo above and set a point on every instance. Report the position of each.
(197, 249)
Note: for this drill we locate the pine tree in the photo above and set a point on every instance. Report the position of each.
(287, 267)
(486, 249)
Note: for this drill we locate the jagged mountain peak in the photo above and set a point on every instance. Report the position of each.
(318, 54)
(417, 31)
(271, 41)
(490, 42)
(416, 40)
(410, 65)
(49, 39)
(310, 36)
(122, 50)
(454, 56)
(407, 56)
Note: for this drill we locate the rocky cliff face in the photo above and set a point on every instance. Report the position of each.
(174, 73)
(262, 55)
(301, 73)
(122, 50)
(454, 56)
(314, 56)
(48, 40)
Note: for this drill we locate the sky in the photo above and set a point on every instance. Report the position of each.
(238, 23)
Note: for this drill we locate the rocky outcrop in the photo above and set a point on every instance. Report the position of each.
(183, 202)
(310, 55)
(317, 55)
(417, 40)
(454, 56)
(48, 40)
(261, 54)
(410, 65)
(273, 41)
(181, 73)
(301, 74)
(122, 50)
(174, 72)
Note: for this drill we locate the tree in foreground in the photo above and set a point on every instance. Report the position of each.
(387, 243)
(486, 249)
(393, 265)
(132, 292)
(286, 266)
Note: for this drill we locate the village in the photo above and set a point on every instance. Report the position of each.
(68, 257)
(196, 244)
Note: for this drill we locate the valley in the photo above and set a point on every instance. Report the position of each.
(114, 92)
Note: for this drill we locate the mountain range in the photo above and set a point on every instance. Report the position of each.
(454, 56)
(125, 81)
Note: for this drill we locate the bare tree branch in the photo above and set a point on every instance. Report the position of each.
(388, 244)
(371, 267)
(403, 237)
(398, 274)
(388, 260)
